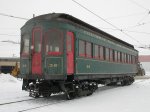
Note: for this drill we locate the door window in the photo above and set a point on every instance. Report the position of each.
(37, 41)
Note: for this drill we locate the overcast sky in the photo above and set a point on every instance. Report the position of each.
(131, 16)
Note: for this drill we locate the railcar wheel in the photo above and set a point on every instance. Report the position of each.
(46, 95)
(90, 93)
(70, 96)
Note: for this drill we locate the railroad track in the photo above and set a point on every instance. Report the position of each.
(6, 103)
(41, 106)
(31, 104)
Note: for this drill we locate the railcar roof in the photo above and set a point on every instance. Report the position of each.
(67, 17)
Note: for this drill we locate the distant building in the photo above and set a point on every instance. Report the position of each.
(7, 64)
(145, 61)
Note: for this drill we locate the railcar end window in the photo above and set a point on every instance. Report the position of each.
(54, 42)
(25, 45)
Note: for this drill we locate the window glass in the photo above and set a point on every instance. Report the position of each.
(37, 41)
(101, 51)
(116, 56)
(54, 42)
(107, 54)
(81, 48)
(25, 44)
(122, 58)
(111, 54)
(88, 49)
(69, 43)
(96, 53)
(129, 58)
(125, 58)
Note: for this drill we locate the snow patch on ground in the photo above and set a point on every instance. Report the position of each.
(7, 78)
(134, 98)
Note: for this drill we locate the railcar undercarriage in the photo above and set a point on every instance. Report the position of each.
(73, 88)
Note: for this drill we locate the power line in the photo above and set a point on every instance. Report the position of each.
(10, 41)
(8, 35)
(137, 32)
(105, 21)
(138, 25)
(139, 5)
(127, 30)
(143, 18)
(3, 14)
(125, 16)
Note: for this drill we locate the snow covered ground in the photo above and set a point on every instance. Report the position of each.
(134, 98)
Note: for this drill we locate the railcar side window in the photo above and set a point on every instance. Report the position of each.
(111, 55)
(81, 48)
(96, 53)
(54, 42)
(129, 59)
(107, 54)
(25, 45)
(125, 58)
(116, 56)
(133, 59)
(101, 51)
(88, 50)
(122, 58)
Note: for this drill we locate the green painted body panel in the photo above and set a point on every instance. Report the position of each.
(54, 66)
(24, 67)
(91, 66)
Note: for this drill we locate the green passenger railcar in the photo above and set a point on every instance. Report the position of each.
(62, 53)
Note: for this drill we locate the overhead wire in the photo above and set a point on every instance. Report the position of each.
(138, 25)
(10, 41)
(106, 21)
(127, 30)
(125, 16)
(3, 14)
(139, 5)
(9, 35)
(143, 18)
